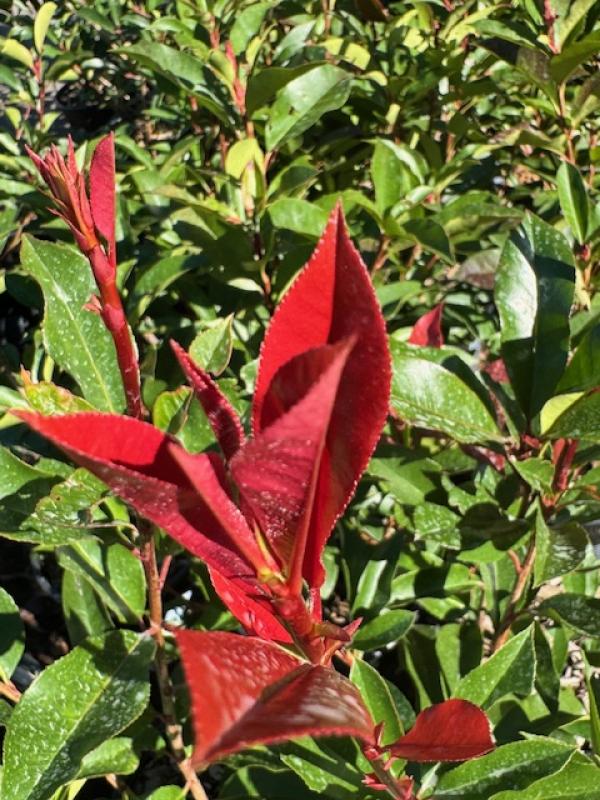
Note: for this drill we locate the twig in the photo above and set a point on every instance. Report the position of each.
(510, 614)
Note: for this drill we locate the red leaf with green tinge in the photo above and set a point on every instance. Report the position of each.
(452, 731)
(277, 471)
(221, 415)
(427, 331)
(142, 465)
(245, 691)
(103, 191)
(332, 299)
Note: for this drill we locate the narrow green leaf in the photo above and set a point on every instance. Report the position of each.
(593, 687)
(84, 612)
(211, 349)
(378, 699)
(517, 765)
(41, 24)
(573, 199)
(509, 671)
(583, 370)
(12, 636)
(534, 291)
(113, 572)
(246, 25)
(74, 706)
(559, 549)
(387, 627)
(75, 338)
(18, 51)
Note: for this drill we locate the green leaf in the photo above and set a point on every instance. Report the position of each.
(593, 687)
(432, 582)
(41, 24)
(167, 793)
(431, 236)
(264, 84)
(576, 781)
(537, 472)
(303, 102)
(321, 768)
(580, 419)
(12, 636)
(428, 395)
(573, 199)
(84, 612)
(387, 627)
(566, 22)
(559, 549)
(15, 473)
(517, 765)
(395, 171)
(511, 670)
(211, 348)
(378, 699)
(74, 706)
(75, 338)
(18, 51)
(246, 25)
(583, 370)
(575, 610)
(563, 64)
(114, 573)
(115, 756)
(300, 216)
(534, 291)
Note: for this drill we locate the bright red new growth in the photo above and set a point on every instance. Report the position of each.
(427, 331)
(452, 731)
(245, 691)
(332, 299)
(103, 192)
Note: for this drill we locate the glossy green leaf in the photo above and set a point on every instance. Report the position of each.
(14, 473)
(431, 236)
(580, 419)
(74, 706)
(511, 670)
(211, 348)
(583, 370)
(559, 549)
(85, 614)
(321, 768)
(387, 627)
(576, 53)
(42, 23)
(14, 49)
(298, 215)
(534, 292)
(74, 337)
(246, 25)
(115, 757)
(114, 573)
(576, 781)
(378, 699)
(575, 610)
(12, 635)
(517, 764)
(573, 200)
(303, 102)
(537, 472)
(427, 395)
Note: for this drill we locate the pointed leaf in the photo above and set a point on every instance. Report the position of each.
(221, 415)
(75, 338)
(452, 731)
(573, 199)
(427, 331)
(103, 190)
(12, 636)
(332, 299)
(246, 691)
(41, 24)
(277, 471)
(139, 464)
(75, 705)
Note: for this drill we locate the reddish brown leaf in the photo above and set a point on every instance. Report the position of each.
(245, 691)
(332, 299)
(452, 731)
(103, 192)
(221, 415)
(427, 331)
(142, 465)
(252, 608)
(277, 471)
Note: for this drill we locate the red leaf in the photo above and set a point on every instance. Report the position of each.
(427, 331)
(277, 471)
(102, 191)
(142, 465)
(331, 300)
(221, 415)
(452, 731)
(497, 371)
(253, 610)
(245, 691)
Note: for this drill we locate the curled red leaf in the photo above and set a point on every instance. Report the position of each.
(427, 331)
